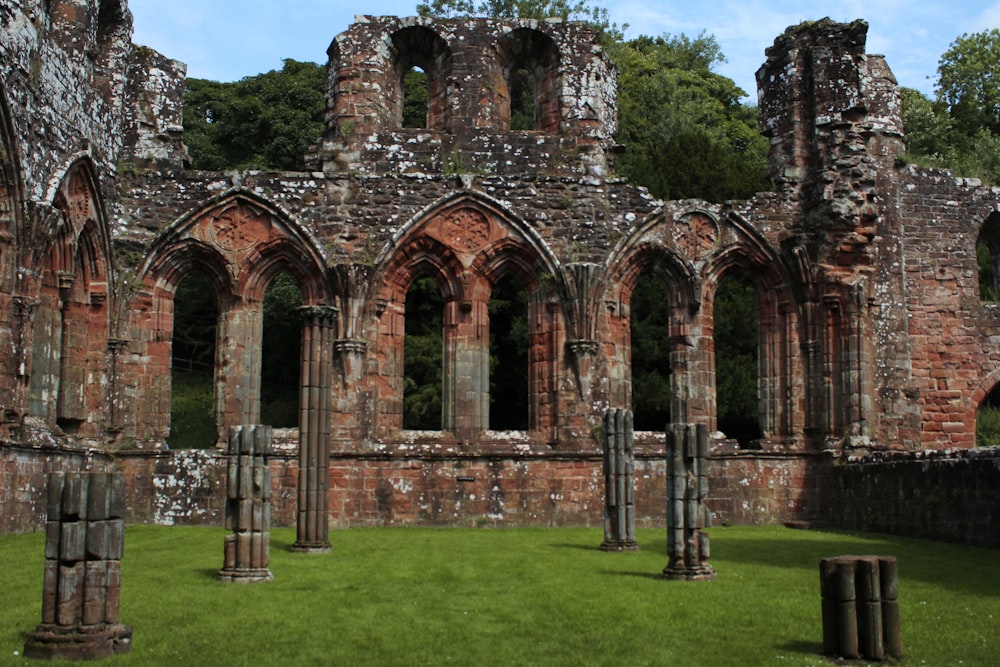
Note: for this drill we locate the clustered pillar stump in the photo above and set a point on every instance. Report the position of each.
(248, 506)
(860, 607)
(318, 338)
(619, 494)
(687, 515)
(84, 543)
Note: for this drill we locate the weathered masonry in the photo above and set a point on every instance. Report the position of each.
(872, 331)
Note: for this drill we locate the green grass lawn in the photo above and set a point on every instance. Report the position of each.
(423, 596)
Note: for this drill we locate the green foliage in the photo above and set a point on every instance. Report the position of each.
(509, 341)
(196, 315)
(567, 10)
(685, 132)
(415, 98)
(192, 411)
(422, 356)
(650, 328)
(969, 82)
(987, 274)
(735, 335)
(988, 426)
(280, 352)
(192, 408)
(267, 121)
(466, 596)
(960, 130)
(522, 100)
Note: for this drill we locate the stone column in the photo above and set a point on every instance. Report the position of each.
(84, 543)
(860, 607)
(248, 505)
(619, 495)
(318, 337)
(687, 488)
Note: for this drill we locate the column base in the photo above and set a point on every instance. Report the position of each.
(312, 548)
(619, 545)
(245, 576)
(699, 573)
(79, 642)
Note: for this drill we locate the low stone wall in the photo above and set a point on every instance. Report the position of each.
(949, 495)
(421, 487)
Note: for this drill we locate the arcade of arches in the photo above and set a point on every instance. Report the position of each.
(438, 314)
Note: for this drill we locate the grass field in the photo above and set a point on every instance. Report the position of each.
(423, 596)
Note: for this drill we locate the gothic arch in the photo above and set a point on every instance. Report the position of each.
(679, 280)
(467, 242)
(748, 256)
(241, 242)
(71, 321)
(11, 197)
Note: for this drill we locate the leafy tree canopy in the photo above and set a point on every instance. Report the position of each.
(267, 121)
(959, 129)
(969, 81)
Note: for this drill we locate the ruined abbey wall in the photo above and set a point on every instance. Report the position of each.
(873, 334)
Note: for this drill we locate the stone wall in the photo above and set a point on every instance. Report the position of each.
(428, 487)
(944, 495)
(873, 335)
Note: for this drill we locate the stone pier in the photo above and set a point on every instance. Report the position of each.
(687, 515)
(619, 496)
(248, 506)
(84, 543)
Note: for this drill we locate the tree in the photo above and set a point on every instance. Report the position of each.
(525, 9)
(969, 82)
(267, 121)
(685, 132)
(960, 129)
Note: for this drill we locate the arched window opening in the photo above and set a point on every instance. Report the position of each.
(650, 349)
(422, 62)
(192, 400)
(415, 98)
(423, 356)
(736, 354)
(523, 115)
(988, 420)
(530, 64)
(281, 353)
(509, 340)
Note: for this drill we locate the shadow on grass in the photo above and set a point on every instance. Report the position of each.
(578, 547)
(656, 576)
(803, 646)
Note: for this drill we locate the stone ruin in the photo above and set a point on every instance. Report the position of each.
(873, 333)
(84, 545)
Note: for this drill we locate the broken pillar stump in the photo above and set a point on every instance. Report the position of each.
(248, 506)
(619, 485)
(860, 607)
(687, 514)
(84, 543)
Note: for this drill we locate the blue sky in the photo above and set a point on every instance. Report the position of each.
(225, 40)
